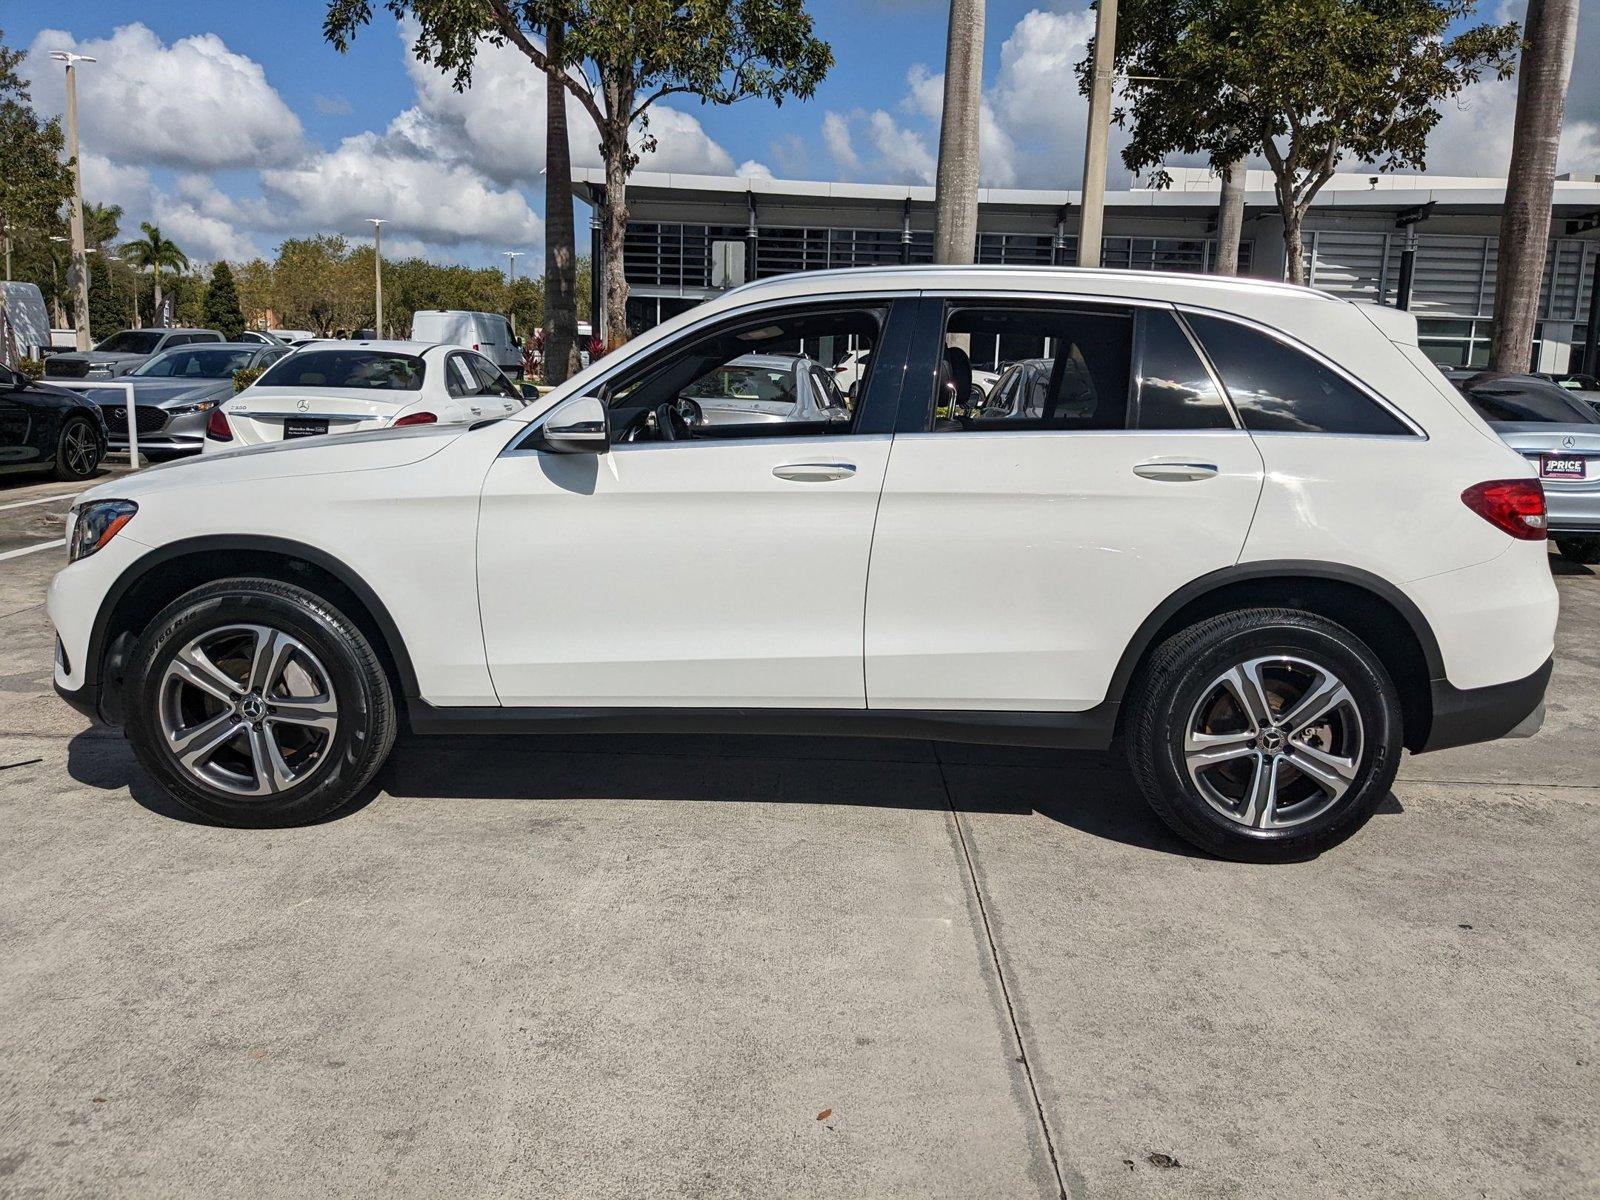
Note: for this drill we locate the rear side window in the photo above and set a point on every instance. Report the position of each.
(1173, 389)
(1064, 369)
(1278, 389)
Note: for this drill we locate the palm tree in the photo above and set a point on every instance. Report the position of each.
(101, 224)
(1552, 31)
(154, 252)
(955, 202)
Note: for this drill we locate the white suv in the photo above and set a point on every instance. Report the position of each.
(1243, 528)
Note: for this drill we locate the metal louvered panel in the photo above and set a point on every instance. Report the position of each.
(671, 254)
(1453, 274)
(1348, 263)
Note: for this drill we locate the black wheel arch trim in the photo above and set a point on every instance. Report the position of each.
(92, 693)
(1197, 589)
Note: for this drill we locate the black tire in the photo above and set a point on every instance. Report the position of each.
(78, 450)
(1184, 671)
(342, 763)
(1584, 550)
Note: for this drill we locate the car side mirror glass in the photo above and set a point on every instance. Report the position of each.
(576, 426)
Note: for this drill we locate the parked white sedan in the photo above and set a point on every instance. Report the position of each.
(343, 387)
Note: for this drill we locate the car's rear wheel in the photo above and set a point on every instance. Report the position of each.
(1264, 735)
(1579, 549)
(78, 451)
(256, 703)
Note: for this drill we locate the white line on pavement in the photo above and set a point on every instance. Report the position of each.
(40, 500)
(33, 549)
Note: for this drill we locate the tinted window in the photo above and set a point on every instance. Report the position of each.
(1072, 375)
(1278, 389)
(1174, 390)
(376, 369)
(131, 341)
(195, 364)
(458, 378)
(1529, 402)
(494, 383)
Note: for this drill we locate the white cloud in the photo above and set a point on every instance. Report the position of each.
(751, 169)
(836, 134)
(442, 203)
(193, 104)
(903, 154)
(1473, 137)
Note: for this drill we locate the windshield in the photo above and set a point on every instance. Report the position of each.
(1530, 403)
(131, 341)
(378, 370)
(195, 364)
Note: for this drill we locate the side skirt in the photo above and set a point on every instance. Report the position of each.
(1091, 729)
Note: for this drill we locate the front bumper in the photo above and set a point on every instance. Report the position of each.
(1462, 716)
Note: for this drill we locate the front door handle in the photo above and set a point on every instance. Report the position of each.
(814, 472)
(1175, 472)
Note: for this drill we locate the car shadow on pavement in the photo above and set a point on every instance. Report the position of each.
(1091, 793)
(1564, 566)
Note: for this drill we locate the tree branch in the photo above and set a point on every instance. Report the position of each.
(513, 32)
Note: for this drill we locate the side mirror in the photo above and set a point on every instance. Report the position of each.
(576, 426)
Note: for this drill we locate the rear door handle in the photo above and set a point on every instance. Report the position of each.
(814, 472)
(1175, 472)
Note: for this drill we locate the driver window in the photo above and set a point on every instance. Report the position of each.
(459, 379)
(768, 376)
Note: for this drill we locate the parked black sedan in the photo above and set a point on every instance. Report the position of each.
(45, 428)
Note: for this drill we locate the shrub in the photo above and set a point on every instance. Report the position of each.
(32, 368)
(245, 377)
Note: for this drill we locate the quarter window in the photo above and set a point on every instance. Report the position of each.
(1278, 389)
(1173, 389)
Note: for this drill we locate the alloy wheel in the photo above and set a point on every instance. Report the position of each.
(78, 448)
(248, 710)
(1274, 742)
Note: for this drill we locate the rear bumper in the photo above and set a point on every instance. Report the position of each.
(1462, 716)
(1572, 511)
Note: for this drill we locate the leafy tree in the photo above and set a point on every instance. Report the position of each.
(641, 51)
(34, 182)
(1303, 83)
(102, 223)
(110, 298)
(155, 253)
(253, 280)
(222, 311)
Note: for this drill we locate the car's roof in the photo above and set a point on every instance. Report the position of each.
(1160, 285)
(390, 347)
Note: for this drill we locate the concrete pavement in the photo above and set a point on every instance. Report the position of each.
(727, 967)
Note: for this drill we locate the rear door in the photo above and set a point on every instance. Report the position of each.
(1019, 548)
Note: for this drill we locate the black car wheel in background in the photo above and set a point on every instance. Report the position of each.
(45, 428)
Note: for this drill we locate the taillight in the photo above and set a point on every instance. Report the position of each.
(1513, 505)
(217, 427)
(417, 418)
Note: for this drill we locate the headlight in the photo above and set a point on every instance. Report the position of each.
(96, 523)
(184, 410)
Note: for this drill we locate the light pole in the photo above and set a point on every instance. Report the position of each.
(80, 266)
(377, 271)
(1091, 219)
(5, 232)
(511, 265)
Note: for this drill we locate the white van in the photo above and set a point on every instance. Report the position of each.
(488, 333)
(30, 324)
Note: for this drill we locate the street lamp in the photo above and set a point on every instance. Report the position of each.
(511, 265)
(5, 232)
(377, 271)
(79, 265)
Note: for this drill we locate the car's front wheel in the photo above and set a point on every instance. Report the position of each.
(78, 451)
(1264, 735)
(257, 703)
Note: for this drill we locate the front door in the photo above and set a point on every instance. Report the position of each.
(717, 555)
(1026, 533)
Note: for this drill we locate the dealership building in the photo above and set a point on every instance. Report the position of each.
(691, 237)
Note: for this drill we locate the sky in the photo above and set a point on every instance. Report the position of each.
(236, 126)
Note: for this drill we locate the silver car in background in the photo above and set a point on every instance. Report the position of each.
(1557, 432)
(780, 388)
(174, 393)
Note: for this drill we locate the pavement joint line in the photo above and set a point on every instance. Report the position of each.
(40, 500)
(1005, 990)
(34, 549)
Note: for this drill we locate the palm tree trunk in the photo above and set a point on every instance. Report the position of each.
(1230, 217)
(955, 208)
(159, 317)
(1552, 28)
(560, 255)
